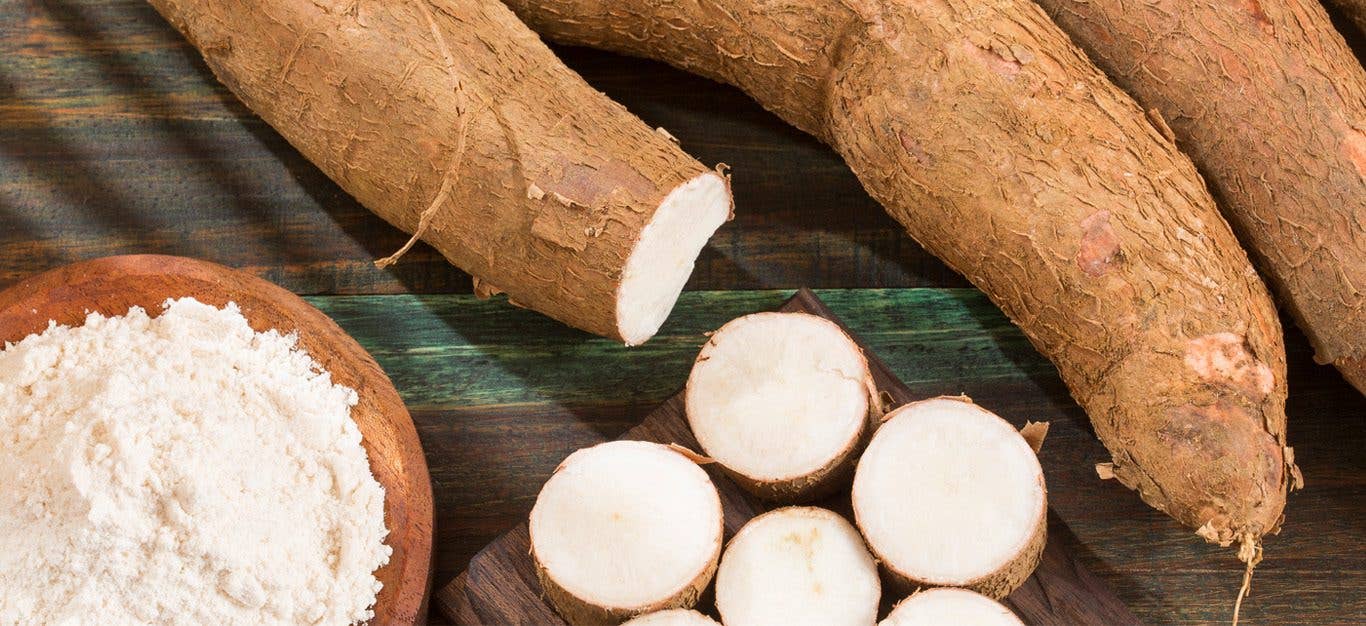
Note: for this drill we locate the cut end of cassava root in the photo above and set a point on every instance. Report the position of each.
(946, 605)
(797, 565)
(663, 256)
(949, 494)
(483, 145)
(783, 402)
(625, 528)
(673, 617)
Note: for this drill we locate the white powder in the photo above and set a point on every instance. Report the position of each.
(181, 470)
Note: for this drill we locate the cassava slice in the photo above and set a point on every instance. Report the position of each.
(625, 528)
(673, 617)
(949, 494)
(1270, 103)
(996, 143)
(782, 401)
(795, 566)
(945, 606)
(452, 121)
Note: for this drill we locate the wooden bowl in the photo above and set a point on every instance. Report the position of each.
(113, 284)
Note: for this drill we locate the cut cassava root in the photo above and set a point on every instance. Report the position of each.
(949, 494)
(797, 565)
(944, 606)
(452, 121)
(783, 402)
(673, 617)
(625, 528)
(998, 145)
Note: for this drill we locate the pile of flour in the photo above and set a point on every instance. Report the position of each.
(181, 470)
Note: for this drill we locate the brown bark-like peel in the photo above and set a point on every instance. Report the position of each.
(1270, 103)
(452, 121)
(1007, 154)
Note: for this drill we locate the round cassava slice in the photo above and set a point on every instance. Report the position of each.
(783, 402)
(625, 528)
(948, 494)
(943, 606)
(673, 617)
(795, 566)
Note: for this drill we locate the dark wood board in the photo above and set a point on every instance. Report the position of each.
(500, 585)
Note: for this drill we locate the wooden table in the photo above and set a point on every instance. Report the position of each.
(114, 138)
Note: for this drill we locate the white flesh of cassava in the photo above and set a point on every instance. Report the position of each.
(947, 492)
(944, 606)
(625, 524)
(795, 566)
(776, 396)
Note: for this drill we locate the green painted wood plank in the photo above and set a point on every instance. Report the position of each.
(444, 350)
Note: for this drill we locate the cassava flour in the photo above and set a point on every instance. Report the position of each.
(181, 470)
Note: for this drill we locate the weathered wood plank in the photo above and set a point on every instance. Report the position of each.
(501, 395)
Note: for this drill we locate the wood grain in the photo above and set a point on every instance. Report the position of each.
(500, 586)
(112, 285)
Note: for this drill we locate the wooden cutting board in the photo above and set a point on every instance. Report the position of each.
(112, 285)
(500, 586)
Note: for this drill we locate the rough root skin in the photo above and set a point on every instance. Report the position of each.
(1000, 147)
(1270, 103)
(452, 121)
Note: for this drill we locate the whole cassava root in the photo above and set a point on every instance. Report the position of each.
(452, 121)
(1270, 103)
(1007, 154)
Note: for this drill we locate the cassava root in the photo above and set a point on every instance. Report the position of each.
(949, 494)
(1270, 103)
(783, 402)
(797, 565)
(673, 617)
(452, 121)
(942, 606)
(623, 529)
